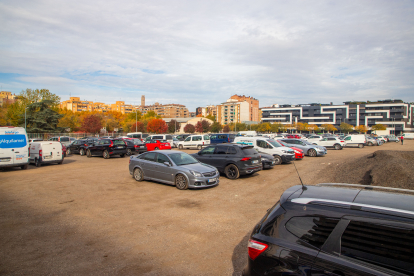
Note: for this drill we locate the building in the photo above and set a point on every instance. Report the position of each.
(77, 105)
(120, 106)
(253, 106)
(233, 112)
(394, 114)
(167, 110)
(7, 97)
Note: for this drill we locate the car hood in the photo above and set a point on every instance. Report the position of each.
(199, 167)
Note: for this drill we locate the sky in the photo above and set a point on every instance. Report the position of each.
(199, 53)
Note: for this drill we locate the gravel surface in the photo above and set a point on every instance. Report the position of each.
(88, 216)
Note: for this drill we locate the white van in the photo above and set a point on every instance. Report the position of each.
(281, 153)
(138, 135)
(355, 140)
(13, 147)
(166, 137)
(195, 142)
(247, 133)
(408, 135)
(45, 152)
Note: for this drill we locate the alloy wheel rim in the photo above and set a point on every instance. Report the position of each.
(180, 181)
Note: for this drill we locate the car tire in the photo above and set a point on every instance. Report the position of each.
(37, 163)
(88, 154)
(312, 153)
(180, 147)
(105, 154)
(138, 174)
(337, 146)
(68, 151)
(82, 152)
(181, 182)
(369, 143)
(360, 146)
(122, 155)
(278, 159)
(199, 147)
(60, 162)
(156, 148)
(397, 141)
(24, 167)
(232, 172)
(129, 152)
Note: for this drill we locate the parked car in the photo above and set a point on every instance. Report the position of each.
(294, 136)
(231, 159)
(35, 140)
(175, 142)
(392, 138)
(134, 145)
(382, 139)
(182, 137)
(138, 135)
(308, 148)
(174, 168)
(157, 145)
(45, 152)
(80, 146)
(281, 153)
(220, 138)
(299, 155)
(355, 140)
(379, 141)
(314, 138)
(194, 142)
(371, 141)
(332, 230)
(14, 149)
(63, 139)
(268, 161)
(107, 148)
(166, 137)
(331, 142)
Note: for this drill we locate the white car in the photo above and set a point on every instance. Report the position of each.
(382, 139)
(195, 142)
(314, 138)
(331, 142)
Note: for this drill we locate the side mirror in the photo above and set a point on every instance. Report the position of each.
(167, 164)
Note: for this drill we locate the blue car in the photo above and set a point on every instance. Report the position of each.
(221, 138)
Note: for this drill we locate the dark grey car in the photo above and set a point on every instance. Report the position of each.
(173, 167)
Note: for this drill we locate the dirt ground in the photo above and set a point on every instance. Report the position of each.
(88, 216)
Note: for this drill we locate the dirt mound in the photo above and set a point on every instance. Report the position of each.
(382, 168)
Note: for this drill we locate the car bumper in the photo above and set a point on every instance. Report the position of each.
(299, 156)
(321, 153)
(13, 165)
(139, 150)
(204, 182)
(288, 158)
(251, 169)
(268, 164)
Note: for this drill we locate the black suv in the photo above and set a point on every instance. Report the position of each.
(134, 146)
(79, 146)
(231, 159)
(329, 230)
(107, 148)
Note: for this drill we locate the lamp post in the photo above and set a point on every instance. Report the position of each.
(136, 120)
(25, 119)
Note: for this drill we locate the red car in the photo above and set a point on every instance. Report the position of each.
(298, 152)
(294, 136)
(157, 145)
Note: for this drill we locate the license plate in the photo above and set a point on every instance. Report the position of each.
(255, 161)
(212, 180)
(48, 157)
(120, 147)
(141, 146)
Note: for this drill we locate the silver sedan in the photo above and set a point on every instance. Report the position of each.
(173, 167)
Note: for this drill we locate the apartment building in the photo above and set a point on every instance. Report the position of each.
(233, 112)
(77, 105)
(7, 97)
(167, 110)
(120, 106)
(253, 106)
(394, 114)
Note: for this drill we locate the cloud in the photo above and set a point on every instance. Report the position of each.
(199, 53)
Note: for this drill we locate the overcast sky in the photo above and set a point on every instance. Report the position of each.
(198, 53)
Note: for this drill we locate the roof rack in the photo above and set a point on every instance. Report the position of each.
(366, 187)
(350, 204)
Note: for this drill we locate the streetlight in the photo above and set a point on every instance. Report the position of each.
(136, 119)
(25, 119)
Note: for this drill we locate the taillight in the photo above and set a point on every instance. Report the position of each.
(256, 248)
(40, 153)
(342, 141)
(245, 159)
(228, 140)
(85, 145)
(111, 145)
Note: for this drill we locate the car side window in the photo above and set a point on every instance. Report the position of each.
(157, 137)
(331, 139)
(149, 156)
(206, 137)
(261, 144)
(347, 138)
(324, 139)
(187, 139)
(380, 244)
(213, 137)
(161, 158)
(222, 137)
(221, 150)
(196, 138)
(231, 150)
(168, 137)
(312, 230)
(208, 150)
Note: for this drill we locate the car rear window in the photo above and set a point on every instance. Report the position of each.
(64, 139)
(157, 137)
(249, 151)
(168, 137)
(118, 142)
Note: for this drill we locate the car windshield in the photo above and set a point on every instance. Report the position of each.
(182, 158)
(136, 141)
(274, 143)
(306, 142)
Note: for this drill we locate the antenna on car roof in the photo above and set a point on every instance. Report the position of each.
(303, 186)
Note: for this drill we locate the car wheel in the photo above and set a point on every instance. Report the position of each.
(138, 175)
(122, 155)
(338, 147)
(88, 153)
(312, 153)
(199, 147)
(106, 154)
(37, 162)
(82, 152)
(180, 147)
(397, 141)
(68, 151)
(129, 152)
(24, 167)
(278, 160)
(156, 149)
(360, 146)
(60, 162)
(232, 172)
(181, 182)
(369, 143)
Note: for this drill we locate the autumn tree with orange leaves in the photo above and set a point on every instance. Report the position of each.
(157, 126)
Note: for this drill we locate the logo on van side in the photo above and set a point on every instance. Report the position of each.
(11, 132)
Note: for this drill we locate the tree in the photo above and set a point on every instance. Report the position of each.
(302, 127)
(199, 127)
(378, 127)
(137, 127)
(173, 126)
(264, 127)
(327, 127)
(157, 126)
(69, 121)
(216, 127)
(189, 128)
(344, 127)
(205, 126)
(92, 123)
(30, 96)
(313, 128)
(276, 127)
(211, 117)
(40, 118)
(361, 128)
(226, 129)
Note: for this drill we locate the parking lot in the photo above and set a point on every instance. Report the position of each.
(88, 216)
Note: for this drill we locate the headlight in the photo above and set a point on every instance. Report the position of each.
(285, 151)
(298, 152)
(196, 174)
